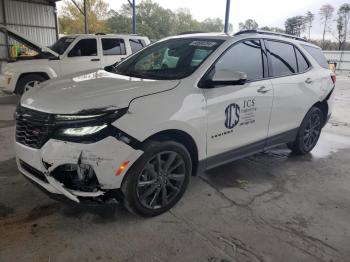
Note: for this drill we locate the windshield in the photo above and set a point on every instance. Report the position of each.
(170, 59)
(62, 44)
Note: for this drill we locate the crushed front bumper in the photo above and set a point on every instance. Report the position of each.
(104, 156)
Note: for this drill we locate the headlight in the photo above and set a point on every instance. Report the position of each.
(75, 117)
(89, 127)
(82, 131)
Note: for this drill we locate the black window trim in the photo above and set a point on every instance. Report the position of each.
(271, 76)
(77, 42)
(137, 41)
(263, 47)
(120, 39)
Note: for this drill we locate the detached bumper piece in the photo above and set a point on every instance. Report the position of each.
(69, 180)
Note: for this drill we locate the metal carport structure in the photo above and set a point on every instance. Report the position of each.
(36, 19)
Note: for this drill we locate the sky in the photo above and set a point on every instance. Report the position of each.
(265, 12)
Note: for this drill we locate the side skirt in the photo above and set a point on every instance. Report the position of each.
(247, 150)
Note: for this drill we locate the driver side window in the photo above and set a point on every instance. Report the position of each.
(85, 47)
(247, 57)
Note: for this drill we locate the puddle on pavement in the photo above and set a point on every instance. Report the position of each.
(241, 172)
(329, 144)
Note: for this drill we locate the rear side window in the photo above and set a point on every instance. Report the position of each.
(85, 47)
(113, 46)
(244, 57)
(303, 65)
(283, 58)
(317, 54)
(136, 45)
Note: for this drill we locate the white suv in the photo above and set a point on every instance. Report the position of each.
(138, 131)
(70, 54)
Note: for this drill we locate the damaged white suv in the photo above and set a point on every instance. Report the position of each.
(135, 132)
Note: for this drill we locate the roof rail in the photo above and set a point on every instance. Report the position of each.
(269, 33)
(100, 33)
(191, 32)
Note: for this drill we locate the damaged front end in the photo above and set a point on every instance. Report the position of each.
(74, 155)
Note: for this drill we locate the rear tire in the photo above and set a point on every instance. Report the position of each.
(27, 82)
(308, 133)
(158, 179)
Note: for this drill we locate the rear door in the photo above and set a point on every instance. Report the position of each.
(291, 79)
(113, 50)
(136, 44)
(238, 115)
(83, 55)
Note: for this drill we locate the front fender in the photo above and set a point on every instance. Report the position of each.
(170, 110)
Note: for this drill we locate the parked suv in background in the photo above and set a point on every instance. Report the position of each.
(137, 132)
(70, 54)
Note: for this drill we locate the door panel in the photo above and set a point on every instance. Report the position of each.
(83, 56)
(293, 85)
(238, 115)
(113, 50)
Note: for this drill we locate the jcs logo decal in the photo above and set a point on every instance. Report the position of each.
(232, 112)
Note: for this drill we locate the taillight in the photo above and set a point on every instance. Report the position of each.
(334, 78)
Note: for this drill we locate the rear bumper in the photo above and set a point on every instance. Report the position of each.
(104, 157)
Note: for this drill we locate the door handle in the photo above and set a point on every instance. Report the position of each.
(95, 59)
(262, 90)
(308, 80)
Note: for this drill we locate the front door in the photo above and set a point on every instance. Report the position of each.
(238, 115)
(82, 56)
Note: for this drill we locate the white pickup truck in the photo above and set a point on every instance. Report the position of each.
(70, 54)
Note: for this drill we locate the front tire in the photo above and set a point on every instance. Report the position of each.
(158, 179)
(27, 82)
(308, 133)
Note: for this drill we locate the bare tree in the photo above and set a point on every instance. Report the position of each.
(326, 13)
(344, 18)
(309, 18)
(295, 25)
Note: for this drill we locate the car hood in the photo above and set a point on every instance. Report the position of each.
(26, 41)
(96, 89)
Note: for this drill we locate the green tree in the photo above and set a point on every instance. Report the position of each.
(295, 25)
(326, 14)
(72, 21)
(157, 22)
(249, 24)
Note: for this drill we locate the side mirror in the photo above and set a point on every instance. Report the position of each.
(227, 77)
(111, 68)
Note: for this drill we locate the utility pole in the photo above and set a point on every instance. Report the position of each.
(133, 6)
(86, 27)
(227, 16)
(84, 13)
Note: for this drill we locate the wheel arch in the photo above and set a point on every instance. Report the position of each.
(181, 137)
(42, 74)
(323, 106)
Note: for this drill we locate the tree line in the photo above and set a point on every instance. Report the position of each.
(152, 19)
(299, 24)
(157, 22)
